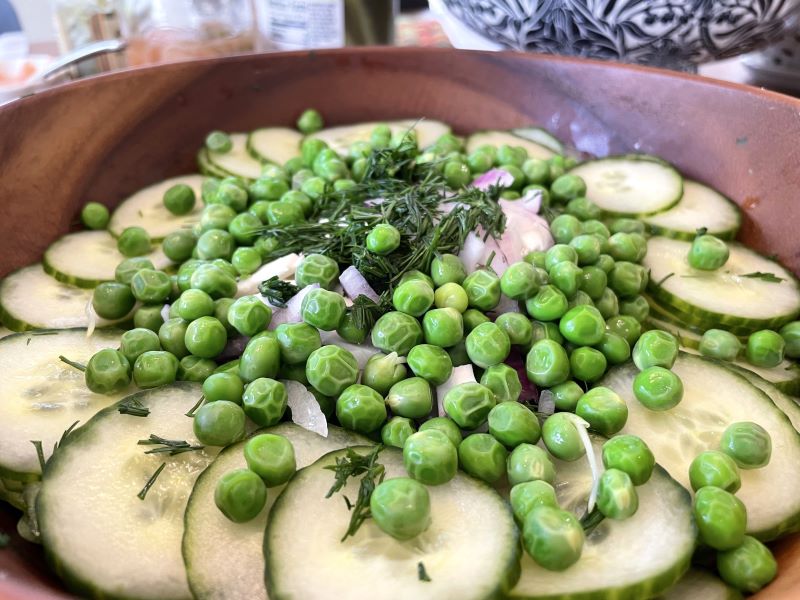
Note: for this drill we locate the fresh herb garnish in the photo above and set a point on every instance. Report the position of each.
(39, 453)
(366, 311)
(591, 520)
(40, 449)
(663, 279)
(422, 574)
(193, 410)
(701, 231)
(72, 363)
(769, 277)
(133, 407)
(353, 465)
(172, 447)
(5, 539)
(141, 495)
(278, 292)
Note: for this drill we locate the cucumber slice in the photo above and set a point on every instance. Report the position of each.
(225, 560)
(206, 168)
(701, 585)
(714, 397)
(789, 406)
(41, 397)
(469, 551)
(237, 162)
(631, 185)
(541, 137)
(31, 299)
(498, 138)
(88, 258)
(723, 298)
(146, 209)
(700, 206)
(98, 535)
(635, 558)
(340, 138)
(274, 144)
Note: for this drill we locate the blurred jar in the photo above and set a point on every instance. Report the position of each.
(161, 31)
(304, 24)
(81, 22)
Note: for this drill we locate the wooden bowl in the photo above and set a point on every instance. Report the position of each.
(103, 138)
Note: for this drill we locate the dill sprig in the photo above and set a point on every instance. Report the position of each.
(40, 448)
(768, 277)
(366, 311)
(132, 406)
(353, 465)
(591, 520)
(278, 292)
(141, 495)
(422, 574)
(171, 447)
(72, 363)
(194, 408)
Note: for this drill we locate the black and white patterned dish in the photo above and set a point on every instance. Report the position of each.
(672, 33)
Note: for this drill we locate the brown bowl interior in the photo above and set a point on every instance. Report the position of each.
(102, 139)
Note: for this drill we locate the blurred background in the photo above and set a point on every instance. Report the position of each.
(749, 41)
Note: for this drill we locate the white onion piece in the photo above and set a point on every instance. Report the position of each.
(165, 313)
(291, 314)
(462, 374)
(547, 403)
(472, 253)
(361, 352)
(581, 425)
(305, 409)
(493, 177)
(91, 318)
(374, 201)
(282, 268)
(531, 201)
(355, 285)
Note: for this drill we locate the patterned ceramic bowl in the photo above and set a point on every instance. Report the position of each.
(673, 33)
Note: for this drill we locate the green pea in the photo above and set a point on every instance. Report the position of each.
(95, 215)
(249, 315)
(297, 341)
(108, 372)
(655, 348)
(213, 280)
(216, 216)
(216, 243)
(179, 245)
(472, 318)
(721, 344)
(264, 401)
(582, 325)
(483, 457)
(446, 426)
(631, 330)
(603, 409)
(537, 258)
(231, 192)
(517, 327)
(622, 247)
(608, 304)
(451, 295)
(593, 281)
(721, 518)
(558, 254)
(627, 279)
(266, 189)
(564, 228)
(172, 335)
(293, 373)
(137, 341)
(401, 507)
(791, 337)
(527, 496)
(112, 300)
(615, 348)
(413, 297)
(240, 495)
(396, 431)
(331, 369)
(468, 404)
(503, 381)
(483, 289)
(431, 363)
(616, 497)
(194, 368)
(567, 187)
(513, 424)
(185, 272)
(588, 248)
(748, 567)
(225, 266)
(310, 121)
(765, 348)
(636, 307)
(547, 363)
(519, 281)
(456, 174)
(587, 364)
(561, 437)
(125, 270)
(246, 260)
(529, 463)
(748, 444)
(205, 337)
(658, 388)
(348, 330)
(626, 225)
(479, 162)
(629, 453)
(323, 309)
(148, 285)
(545, 331)
(310, 148)
(582, 208)
(566, 395)
(411, 398)
(154, 369)
(179, 199)
(221, 308)
(430, 457)
(284, 213)
(219, 142)
(548, 304)
(398, 332)
(317, 268)
(447, 268)
(566, 276)
(596, 227)
(360, 408)
(134, 241)
(580, 299)
(383, 239)
(261, 358)
(223, 386)
(708, 253)
(271, 457)
(713, 468)
(536, 171)
(553, 537)
(488, 345)
(382, 371)
(415, 275)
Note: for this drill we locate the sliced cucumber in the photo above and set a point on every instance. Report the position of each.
(701, 585)
(41, 396)
(541, 137)
(636, 558)
(724, 298)
(31, 299)
(499, 138)
(469, 551)
(225, 560)
(687, 337)
(274, 144)
(205, 166)
(789, 406)
(714, 397)
(700, 206)
(631, 185)
(146, 209)
(341, 137)
(88, 258)
(237, 161)
(98, 535)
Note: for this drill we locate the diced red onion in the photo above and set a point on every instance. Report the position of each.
(361, 352)
(530, 393)
(291, 314)
(355, 285)
(305, 409)
(531, 201)
(506, 305)
(547, 403)
(493, 177)
(462, 374)
(234, 348)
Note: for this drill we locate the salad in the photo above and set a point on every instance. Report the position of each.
(386, 361)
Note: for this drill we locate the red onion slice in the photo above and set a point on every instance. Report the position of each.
(291, 314)
(493, 177)
(355, 285)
